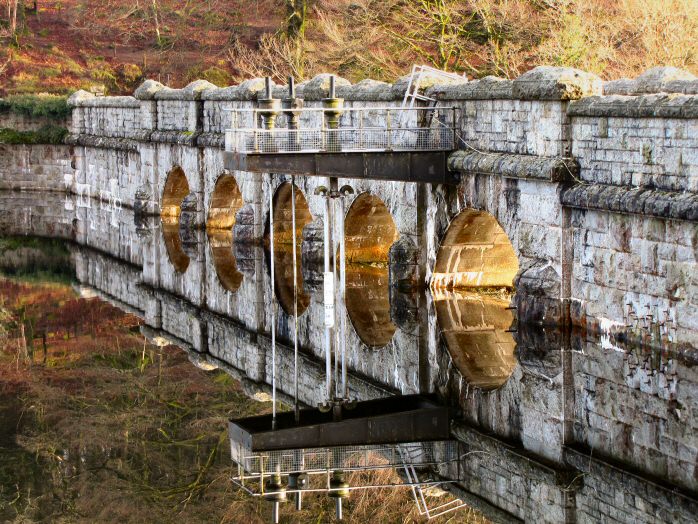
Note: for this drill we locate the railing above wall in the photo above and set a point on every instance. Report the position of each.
(368, 129)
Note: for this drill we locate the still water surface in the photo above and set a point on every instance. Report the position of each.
(127, 346)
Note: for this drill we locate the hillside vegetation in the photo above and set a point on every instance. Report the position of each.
(60, 45)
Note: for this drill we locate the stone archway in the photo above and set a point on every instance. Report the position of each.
(175, 191)
(472, 286)
(369, 231)
(226, 201)
(283, 247)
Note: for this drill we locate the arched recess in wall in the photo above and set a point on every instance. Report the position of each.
(175, 190)
(369, 232)
(472, 287)
(226, 201)
(283, 247)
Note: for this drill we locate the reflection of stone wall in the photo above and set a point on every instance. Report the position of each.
(36, 167)
(640, 409)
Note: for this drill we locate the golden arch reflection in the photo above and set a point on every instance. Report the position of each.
(475, 328)
(369, 233)
(472, 287)
(226, 201)
(175, 190)
(283, 247)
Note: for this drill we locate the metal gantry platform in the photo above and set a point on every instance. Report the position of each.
(407, 143)
(338, 450)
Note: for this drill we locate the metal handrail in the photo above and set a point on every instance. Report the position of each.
(388, 134)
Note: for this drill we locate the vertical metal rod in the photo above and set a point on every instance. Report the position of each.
(334, 276)
(267, 87)
(296, 408)
(273, 309)
(332, 89)
(342, 295)
(291, 87)
(328, 343)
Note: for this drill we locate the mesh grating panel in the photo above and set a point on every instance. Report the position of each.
(365, 129)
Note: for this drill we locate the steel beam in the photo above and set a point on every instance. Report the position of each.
(402, 166)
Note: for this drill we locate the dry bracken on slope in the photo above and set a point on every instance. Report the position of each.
(67, 44)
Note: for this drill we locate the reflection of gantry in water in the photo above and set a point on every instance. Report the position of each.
(340, 450)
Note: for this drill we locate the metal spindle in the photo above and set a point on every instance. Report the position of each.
(273, 309)
(296, 407)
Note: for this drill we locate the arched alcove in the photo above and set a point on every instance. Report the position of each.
(472, 286)
(175, 190)
(283, 247)
(226, 201)
(476, 253)
(369, 232)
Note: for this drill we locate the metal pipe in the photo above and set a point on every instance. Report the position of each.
(334, 277)
(291, 87)
(328, 342)
(267, 87)
(332, 89)
(296, 407)
(273, 308)
(342, 294)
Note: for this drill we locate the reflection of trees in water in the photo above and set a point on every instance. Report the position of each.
(475, 327)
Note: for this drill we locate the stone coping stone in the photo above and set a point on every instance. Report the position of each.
(487, 88)
(556, 83)
(216, 140)
(111, 101)
(660, 105)
(673, 205)
(189, 93)
(79, 97)
(103, 142)
(510, 165)
(184, 138)
(148, 89)
(655, 80)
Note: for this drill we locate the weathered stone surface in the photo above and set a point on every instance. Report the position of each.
(368, 91)
(487, 88)
(211, 140)
(655, 80)
(175, 137)
(193, 91)
(102, 142)
(645, 106)
(251, 89)
(642, 201)
(514, 166)
(148, 89)
(79, 97)
(426, 81)
(110, 101)
(556, 83)
(319, 86)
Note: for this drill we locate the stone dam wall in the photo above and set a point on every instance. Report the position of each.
(594, 184)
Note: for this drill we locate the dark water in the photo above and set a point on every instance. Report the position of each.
(155, 337)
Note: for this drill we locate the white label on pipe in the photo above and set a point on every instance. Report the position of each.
(329, 299)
